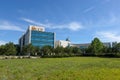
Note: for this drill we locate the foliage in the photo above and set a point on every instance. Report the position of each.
(117, 48)
(96, 47)
(17, 49)
(37, 50)
(68, 50)
(2, 50)
(76, 50)
(8, 49)
(59, 50)
(28, 49)
(46, 50)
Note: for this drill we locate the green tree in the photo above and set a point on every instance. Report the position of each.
(107, 49)
(76, 51)
(68, 50)
(37, 50)
(17, 49)
(10, 49)
(2, 50)
(28, 49)
(46, 50)
(96, 47)
(116, 49)
(59, 50)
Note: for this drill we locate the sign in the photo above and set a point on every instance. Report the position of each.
(37, 28)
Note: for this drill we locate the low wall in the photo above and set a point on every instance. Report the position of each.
(19, 57)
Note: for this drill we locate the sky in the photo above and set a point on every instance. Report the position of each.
(80, 20)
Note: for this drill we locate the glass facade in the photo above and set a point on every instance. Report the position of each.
(42, 38)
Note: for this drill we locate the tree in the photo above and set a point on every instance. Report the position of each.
(17, 49)
(46, 50)
(2, 50)
(36, 50)
(10, 49)
(116, 48)
(76, 51)
(68, 50)
(28, 49)
(96, 47)
(59, 50)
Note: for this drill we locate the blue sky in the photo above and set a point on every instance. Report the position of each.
(80, 20)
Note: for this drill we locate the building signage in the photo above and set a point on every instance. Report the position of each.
(37, 28)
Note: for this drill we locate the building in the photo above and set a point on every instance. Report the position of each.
(81, 46)
(62, 43)
(37, 37)
(85, 45)
(114, 44)
(107, 44)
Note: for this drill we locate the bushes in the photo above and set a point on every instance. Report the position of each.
(95, 49)
(60, 55)
(61, 52)
(8, 49)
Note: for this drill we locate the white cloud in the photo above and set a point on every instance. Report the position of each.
(74, 26)
(108, 36)
(2, 42)
(88, 9)
(5, 25)
(31, 21)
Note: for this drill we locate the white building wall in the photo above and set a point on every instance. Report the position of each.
(27, 38)
(62, 43)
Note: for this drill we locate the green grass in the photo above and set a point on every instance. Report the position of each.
(75, 68)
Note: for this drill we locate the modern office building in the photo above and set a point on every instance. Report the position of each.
(37, 37)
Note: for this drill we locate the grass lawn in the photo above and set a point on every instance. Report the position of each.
(75, 68)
